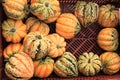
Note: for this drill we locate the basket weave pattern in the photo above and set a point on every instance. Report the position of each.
(84, 41)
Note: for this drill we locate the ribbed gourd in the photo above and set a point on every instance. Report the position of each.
(89, 64)
(35, 25)
(66, 65)
(19, 67)
(15, 9)
(46, 10)
(86, 12)
(36, 45)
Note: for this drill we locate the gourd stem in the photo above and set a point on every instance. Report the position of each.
(12, 30)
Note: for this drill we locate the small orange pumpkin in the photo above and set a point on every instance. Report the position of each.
(12, 49)
(33, 25)
(14, 30)
(67, 25)
(110, 62)
(43, 68)
(108, 39)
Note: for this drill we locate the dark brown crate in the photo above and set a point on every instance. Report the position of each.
(85, 40)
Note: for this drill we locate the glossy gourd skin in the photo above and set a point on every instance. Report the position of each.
(66, 65)
(108, 39)
(67, 25)
(58, 45)
(34, 25)
(36, 45)
(46, 10)
(108, 16)
(11, 49)
(15, 9)
(89, 64)
(86, 12)
(13, 30)
(110, 62)
(19, 67)
(43, 67)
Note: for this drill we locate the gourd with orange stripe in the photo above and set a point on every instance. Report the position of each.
(43, 67)
(58, 45)
(13, 30)
(15, 9)
(46, 10)
(108, 16)
(11, 49)
(107, 39)
(19, 67)
(110, 62)
(33, 25)
(66, 65)
(67, 25)
(86, 12)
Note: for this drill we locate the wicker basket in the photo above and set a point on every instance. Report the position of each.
(85, 40)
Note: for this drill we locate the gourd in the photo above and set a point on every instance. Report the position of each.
(110, 62)
(57, 47)
(66, 65)
(36, 45)
(89, 64)
(15, 9)
(67, 25)
(107, 39)
(108, 16)
(19, 67)
(86, 12)
(33, 25)
(11, 49)
(46, 10)
(13, 30)
(43, 67)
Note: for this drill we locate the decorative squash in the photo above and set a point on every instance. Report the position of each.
(89, 64)
(43, 68)
(67, 25)
(86, 12)
(13, 30)
(11, 49)
(110, 62)
(19, 67)
(46, 10)
(108, 16)
(66, 65)
(34, 25)
(108, 39)
(58, 45)
(15, 9)
(36, 45)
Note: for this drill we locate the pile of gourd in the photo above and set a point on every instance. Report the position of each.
(33, 52)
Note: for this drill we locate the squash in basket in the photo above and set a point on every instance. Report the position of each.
(86, 12)
(11, 49)
(33, 25)
(57, 47)
(110, 62)
(89, 64)
(46, 10)
(66, 65)
(19, 67)
(107, 39)
(13, 30)
(36, 45)
(67, 25)
(15, 9)
(43, 67)
(108, 16)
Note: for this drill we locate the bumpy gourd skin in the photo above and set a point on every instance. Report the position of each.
(15, 9)
(46, 10)
(89, 64)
